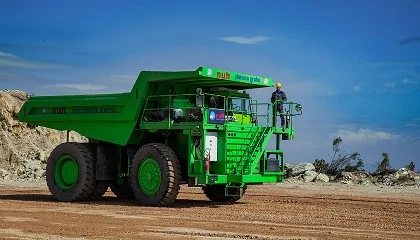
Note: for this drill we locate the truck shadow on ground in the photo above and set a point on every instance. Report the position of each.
(114, 201)
(28, 197)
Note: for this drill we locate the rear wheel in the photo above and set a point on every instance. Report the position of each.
(155, 175)
(70, 172)
(101, 186)
(216, 193)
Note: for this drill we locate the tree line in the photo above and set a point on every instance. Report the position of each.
(352, 162)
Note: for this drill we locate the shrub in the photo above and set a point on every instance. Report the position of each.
(320, 165)
(384, 166)
(411, 166)
(347, 162)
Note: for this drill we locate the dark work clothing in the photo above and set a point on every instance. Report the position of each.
(279, 95)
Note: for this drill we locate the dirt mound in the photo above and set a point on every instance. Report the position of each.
(24, 148)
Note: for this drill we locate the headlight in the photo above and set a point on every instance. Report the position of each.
(298, 107)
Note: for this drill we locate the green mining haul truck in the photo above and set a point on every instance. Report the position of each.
(198, 127)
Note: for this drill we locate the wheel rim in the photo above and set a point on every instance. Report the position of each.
(66, 172)
(149, 176)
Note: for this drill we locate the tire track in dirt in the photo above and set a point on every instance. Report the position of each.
(266, 213)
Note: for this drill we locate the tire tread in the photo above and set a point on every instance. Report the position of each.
(173, 173)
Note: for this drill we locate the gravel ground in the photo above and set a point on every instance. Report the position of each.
(290, 210)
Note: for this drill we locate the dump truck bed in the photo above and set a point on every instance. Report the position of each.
(107, 117)
(114, 117)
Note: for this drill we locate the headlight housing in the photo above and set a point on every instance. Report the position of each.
(298, 107)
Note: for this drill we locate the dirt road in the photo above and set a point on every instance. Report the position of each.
(282, 211)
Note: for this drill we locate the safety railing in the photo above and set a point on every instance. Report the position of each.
(291, 109)
(191, 107)
(172, 109)
(254, 153)
(238, 110)
(260, 132)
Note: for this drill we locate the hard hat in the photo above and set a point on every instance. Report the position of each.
(278, 85)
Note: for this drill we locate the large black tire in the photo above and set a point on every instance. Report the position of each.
(78, 158)
(216, 193)
(162, 159)
(100, 186)
(122, 191)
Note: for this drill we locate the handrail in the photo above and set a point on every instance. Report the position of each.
(164, 104)
(260, 134)
(262, 143)
(241, 163)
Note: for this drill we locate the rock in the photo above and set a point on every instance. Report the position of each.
(309, 176)
(41, 156)
(4, 173)
(288, 169)
(355, 178)
(40, 173)
(332, 178)
(24, 147)
(415, 176)
(44, 166)
(301, 168)
(402, 177)
(402, 172)
(288, 166)
(20, 172)
(322, 178)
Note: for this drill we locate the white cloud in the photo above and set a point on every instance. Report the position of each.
(365, 136)
(245, 40)
(409, 81)
(389, 85)
(3, 54)
(79, 87)
(357, 88)
(11, 61)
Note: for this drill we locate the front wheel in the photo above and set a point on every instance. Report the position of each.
(155, 175)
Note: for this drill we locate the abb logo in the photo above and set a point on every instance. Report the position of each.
(220, 115)
(217, 116)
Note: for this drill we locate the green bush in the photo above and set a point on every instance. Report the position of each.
(384, 166)
(320, 165)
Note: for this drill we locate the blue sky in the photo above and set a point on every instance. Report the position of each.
(354, 65)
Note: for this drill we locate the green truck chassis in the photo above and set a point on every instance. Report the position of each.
(198, 127)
